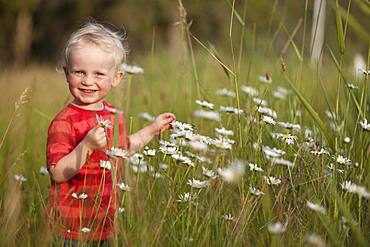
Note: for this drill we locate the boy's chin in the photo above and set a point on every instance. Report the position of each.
(89, 106)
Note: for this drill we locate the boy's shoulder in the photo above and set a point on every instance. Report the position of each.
(65, 113)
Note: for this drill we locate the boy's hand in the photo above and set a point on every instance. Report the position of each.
(162, 122)
(95, 138)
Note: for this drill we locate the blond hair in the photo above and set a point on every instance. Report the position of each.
(99, 35)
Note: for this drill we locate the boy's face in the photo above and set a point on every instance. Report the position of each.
(90, 75)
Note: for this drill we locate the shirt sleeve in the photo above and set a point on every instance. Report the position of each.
(60, 141)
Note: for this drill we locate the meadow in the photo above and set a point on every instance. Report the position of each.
(268, 150)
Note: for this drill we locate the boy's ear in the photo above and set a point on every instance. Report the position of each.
(65, 70)
(118, 77)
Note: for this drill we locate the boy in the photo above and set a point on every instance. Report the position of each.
(83, 177)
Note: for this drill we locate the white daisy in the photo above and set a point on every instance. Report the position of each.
(287, 138)
(85, 230)
(267, 111)
(320, 152)
(105, 123)
(80, 196)
(124, 187)
(131, 69)
(149, 152)
(187, 197)
(225, 92)
(276, 228)
(332, 168)
(200, 146)
(331, 114)
(146, 116)
(255, 191)
(223, 143)
(228, 217)
(224, 132)
(343, 160)
(209, 115)
(208, 173)
(365, 72)
(316, 207)
(142, 168)
(168, 150)
(20, 178)
(259, 101)
(271, 180)
(250, 91)
(272, 152)
(278, 95)
(117, 153)
(315, 240)
(105, 164)
(203, 159)
(365, 125)
(336, 127)
(356, 189)
(205, 104)
(163, 166)
(181, 126)
(194, 183)
(286, 125)
(281, 93)
(268, 120)
(265, 78)
(230, 109)
(283, 90)
(137, 159)
(183, 159)
(44, 170)
(347, 139)
(351, 86)
(233, 172)
(254, 167)
(280, 161)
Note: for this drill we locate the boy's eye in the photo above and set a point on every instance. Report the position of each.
(100, 74)
(78, 72)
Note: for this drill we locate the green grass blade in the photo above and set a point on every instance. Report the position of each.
(346, 211)
(353, 97)
(355, 25)
(340, 33)
(294, 45)
(238, 17)
(215, 56)
(364, 6)
(313, 113)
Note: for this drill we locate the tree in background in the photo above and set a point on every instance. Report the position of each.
(37, 29)
(23, 31)
(318, 30)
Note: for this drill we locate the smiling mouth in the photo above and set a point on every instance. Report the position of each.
(87, 90)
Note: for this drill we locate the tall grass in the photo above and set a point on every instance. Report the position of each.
(153, 215)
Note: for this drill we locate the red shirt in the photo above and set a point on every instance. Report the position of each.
(91, 217)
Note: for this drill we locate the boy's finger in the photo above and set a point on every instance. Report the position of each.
(100, 131)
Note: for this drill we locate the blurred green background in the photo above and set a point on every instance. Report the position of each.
(36, 30)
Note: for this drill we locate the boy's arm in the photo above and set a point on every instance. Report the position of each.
(139, 139)
(70, 164)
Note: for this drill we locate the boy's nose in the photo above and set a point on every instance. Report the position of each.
(88, 80)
